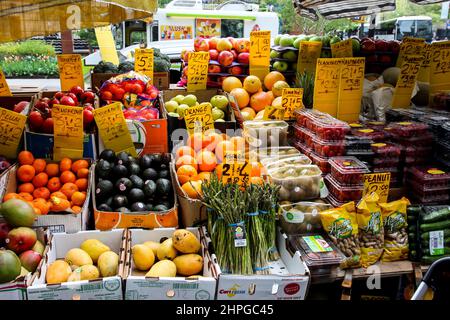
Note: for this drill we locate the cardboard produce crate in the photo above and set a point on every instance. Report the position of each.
(41, 144)
(289, 278)
(146, 219)
(109, 288)
(140, 287)
(65, 221)
(161, 80)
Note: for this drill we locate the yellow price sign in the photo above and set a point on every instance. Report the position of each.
(197, 71)
(143, 62)
(273, 113)
(199, 118)
(236, 169)
(68, 132)
(407, 81)
(326, 85)
(308, 54)
(11, 129)
(70, 71)
(4, 88)
(259, 53)
(440, 66)
(424, 71)
(410, 46)
(107, 44)
(342, 49)
(291, 99)
(350, 89)
(113, 129)
(378, 183)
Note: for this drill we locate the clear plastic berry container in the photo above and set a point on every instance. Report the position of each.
(411, 114)
(393, 115)
(416, 161)
(348, 170)
(265, 133)
(383, 162)
(409, 129)
(368, 133)
(334, 202)
(301, 217)
(425, 140)
(329, 129)
(441, 99)
(389, 150)
(343, 193)
(435, 123)
(430, 178)
(322, 162)
(446, 131)
(304, 135)
(417, 151)
(303, 148)
(356, 144)
(377, 125)
(329, 148)
(305, 116)
(356, 125)
(429, 197)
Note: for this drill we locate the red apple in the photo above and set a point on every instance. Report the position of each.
(213, 68)
(235, 54)
(88, 96)
(201, 44)
(35, 121)
(88, 106)
(213, 54)
(88, 117)
(394, 46)
(371, 59)
(233, 41)
(41, 105)
(213, 43)
(59, 95)
(19, 107)
(47, 126)
(53, 102)
(68, 101)
(244, 58)
(77, 90)
(226, 58)
(242, 45)
(385, 59)
(74, 97)
(236, 70)
(368, 46)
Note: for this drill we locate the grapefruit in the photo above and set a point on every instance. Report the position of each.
(238, 142)
(196, 141)
(184, 150)
(278, 87)
(259, 101)
(271, 78)
(230, 83)
(206, 161)
(252, 84)
(241, 96)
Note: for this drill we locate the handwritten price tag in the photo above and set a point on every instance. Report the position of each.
(410, 46)
(70, 71)
(199, 118)
(11, 129)
(424, 71)
(326, 85)
(107, 44)
(406, 82)
(273, 113)
(143, 62)
(291, 99)
(378, 183)
(350, 89)
(236, 169)
(4, 88)
(113, 129)
(342, 49)
(259, 53)
(197, 71)
(440, 66)
(307, 57)
(68, 132)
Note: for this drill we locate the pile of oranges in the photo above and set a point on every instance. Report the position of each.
(51, 186)
(202, 155)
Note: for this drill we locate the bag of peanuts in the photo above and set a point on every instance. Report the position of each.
(342, 228)
(395, 230)
(371, 230)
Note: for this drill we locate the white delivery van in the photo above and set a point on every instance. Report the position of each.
(175, 27)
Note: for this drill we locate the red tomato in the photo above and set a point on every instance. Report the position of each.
(88, 116)
(77, 91)
(137, 88)
(88, 97)
(118, 93)
(127, 86)
(68, 101)
(59, 95)
(106, 95)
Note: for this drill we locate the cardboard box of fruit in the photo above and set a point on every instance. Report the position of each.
(161, 79)
(39, 129)
(133, 192)
(168, 264)
(81, 266)
(59, 192)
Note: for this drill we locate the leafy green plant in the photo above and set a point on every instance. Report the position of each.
(29, 67)
(305, 80)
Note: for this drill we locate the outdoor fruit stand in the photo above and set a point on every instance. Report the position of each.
(273, 174)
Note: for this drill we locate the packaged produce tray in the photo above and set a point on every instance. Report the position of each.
(301, 217)
(377, 125)
(328, 148)
(446, 131)
(322, 162)
(304, 135)
(435, 123)
(273, 153)
(429, 178)
(265, 133)
(343, 193)
(386, 150)
(385, 162)
(299, 160)
(333, 201)
(409, 129)
(425, 140)
(355, 144)
(348, 170)
(411, 114)
(433, 197)
(371, 134)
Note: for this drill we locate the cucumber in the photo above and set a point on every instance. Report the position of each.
(413, 211)
(426, 243)
(431, 259)
(412, 228)
(412, 235)
(435, 226)
(427, 251)
(438, 215)
(426, 235)
(411, 219)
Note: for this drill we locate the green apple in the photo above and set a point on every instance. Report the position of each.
(182, 109)
(277, 40)
(291, 56)
(190, 100)
(297, 42)
(286, 41)
(274, 54)
(171, 106)
(220, 120)
(173, 114)
(217, 114)
(334, 40)
(219, 101)
(326, 41)
(280, 66)
(179, 99)
(356, 45)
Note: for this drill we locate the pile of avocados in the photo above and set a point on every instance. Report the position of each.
(127, 184)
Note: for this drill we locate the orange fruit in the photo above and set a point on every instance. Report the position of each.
(278, 87)
(54, 184)
(222, 148)
(67, 176)
(37, 211)
(79, 164)
(26, 173)
(11, 195)
(218, 171)
(230, 83)
(78, 198)
(82, 173)
(26, 196)
(256, 169)
(271, 78)
(69, 189)
(252, 84)
(256, 180)
(25, 157)
(76, 209)
(40, 180)
(248, 113)
(42, 205)
(58, 194)
(26, 187)
(184, 150)
(202, 176)
(52, 170)
(189, 160)
(214, 138)
(259, 101)
(65, 164)
(271, 96)
(185, 173)
(238, 142)
(82, 184)
(193, 189)
(39, 165)
(206, 161)
(242, 97)
(42, 192)
(59, 204)
(197, 142)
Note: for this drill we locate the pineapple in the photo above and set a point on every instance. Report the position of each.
(305, 80)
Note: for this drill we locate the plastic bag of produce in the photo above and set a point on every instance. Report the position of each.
(371, 83)
(371, 231)
(395, 230)
(342, 228)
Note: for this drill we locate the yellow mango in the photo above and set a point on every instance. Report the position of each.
(57, 272)
(189, 264)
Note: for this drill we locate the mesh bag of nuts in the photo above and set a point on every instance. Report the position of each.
(371, 231)
(342, 228)
(395, 230)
